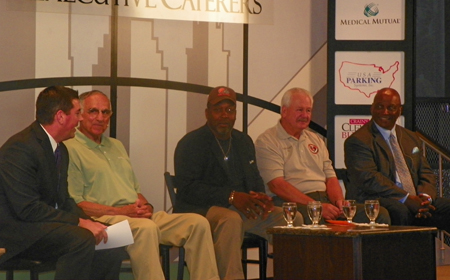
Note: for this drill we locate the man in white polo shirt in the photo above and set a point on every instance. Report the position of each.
(295, 165)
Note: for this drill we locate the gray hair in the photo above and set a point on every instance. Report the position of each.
(287, 97)
(85, 95)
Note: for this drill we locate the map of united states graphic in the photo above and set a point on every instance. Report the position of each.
(367, 78)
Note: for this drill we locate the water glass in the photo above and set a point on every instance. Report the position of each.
(349, 209)
(372, 208)
(289, 212)
(315, 212)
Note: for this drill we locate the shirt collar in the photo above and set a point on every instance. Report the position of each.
(282, 134)
(52, 140)
(88, 142)
(386, 133)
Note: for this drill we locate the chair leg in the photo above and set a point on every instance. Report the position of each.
(10, 275)
(34, 275)
(181, 254)
(244, 264)
(263, 251)
(165, 255)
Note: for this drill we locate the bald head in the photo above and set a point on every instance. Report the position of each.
(386, 107)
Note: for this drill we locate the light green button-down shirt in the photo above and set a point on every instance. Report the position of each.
(100, 173)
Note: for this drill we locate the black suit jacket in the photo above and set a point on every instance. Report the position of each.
(29, 191)
(201, 178)
(371, 167)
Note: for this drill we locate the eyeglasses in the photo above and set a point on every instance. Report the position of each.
(93, 112)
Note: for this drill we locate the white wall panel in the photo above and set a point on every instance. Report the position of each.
(311, 77)
(147, 114)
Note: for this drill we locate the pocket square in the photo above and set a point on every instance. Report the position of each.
(415, 150)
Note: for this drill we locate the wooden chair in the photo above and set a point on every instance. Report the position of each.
(250, 240)
(34, 266)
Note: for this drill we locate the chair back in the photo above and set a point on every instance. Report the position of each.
(170, 183)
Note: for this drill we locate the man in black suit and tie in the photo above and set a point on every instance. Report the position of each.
(38, 219)
(384, 161)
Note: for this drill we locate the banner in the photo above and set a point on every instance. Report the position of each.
(230, 11)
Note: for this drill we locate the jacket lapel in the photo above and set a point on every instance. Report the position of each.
(44, 141)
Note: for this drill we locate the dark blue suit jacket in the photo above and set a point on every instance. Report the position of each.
(29, 191)
(201, 178)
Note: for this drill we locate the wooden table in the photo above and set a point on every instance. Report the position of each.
(343, 252)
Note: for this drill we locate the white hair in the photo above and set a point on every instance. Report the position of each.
(287, 97)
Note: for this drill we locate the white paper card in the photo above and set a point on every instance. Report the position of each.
(119, 235)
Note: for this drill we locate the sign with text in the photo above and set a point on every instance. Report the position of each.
(363, 20)
(358, 75)
(230, 11)
(345, 126)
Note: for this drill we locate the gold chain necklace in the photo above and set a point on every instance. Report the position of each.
(225, 155)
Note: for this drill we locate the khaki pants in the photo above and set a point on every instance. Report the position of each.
(188, 230)
(228, 226)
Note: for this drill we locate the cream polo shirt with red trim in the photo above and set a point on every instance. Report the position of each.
(303, 162)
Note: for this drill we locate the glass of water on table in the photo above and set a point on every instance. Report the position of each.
(349, 209)
(289, 213)
(314, 212)
(372, 208)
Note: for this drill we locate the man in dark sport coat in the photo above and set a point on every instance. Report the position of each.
(38, 219)
(372, 172)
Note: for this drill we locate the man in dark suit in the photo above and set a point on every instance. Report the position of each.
(38, 219)
(217, 176)
(374, 173)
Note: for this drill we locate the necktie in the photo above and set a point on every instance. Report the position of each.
(402, 169)
(58, 162)
(58, 157)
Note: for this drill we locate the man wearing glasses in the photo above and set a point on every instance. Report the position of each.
(103, 184)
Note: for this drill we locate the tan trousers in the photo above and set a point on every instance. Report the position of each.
(188, 230)
(228, 226)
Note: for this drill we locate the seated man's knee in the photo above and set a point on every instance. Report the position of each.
(232, 219)
(383, 216)
(398, 212)
(197, 221)
(225, 218)
(78, 238)
(145, 226)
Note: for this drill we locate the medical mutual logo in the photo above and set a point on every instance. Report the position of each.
(359, 20)
(371, 10)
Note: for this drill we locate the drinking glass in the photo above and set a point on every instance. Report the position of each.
(349, 208)
(315, 212)
(372, 208)
(289, 212)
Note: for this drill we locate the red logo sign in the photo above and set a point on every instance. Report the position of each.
(313, 148)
